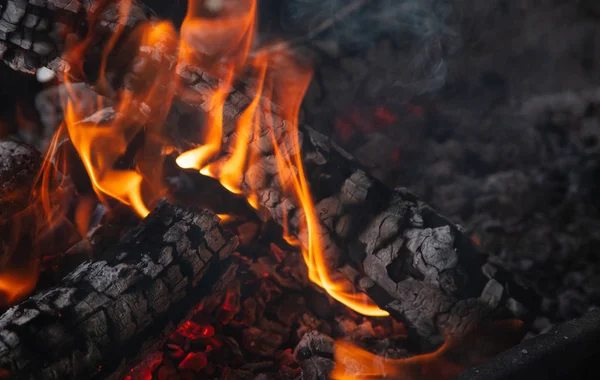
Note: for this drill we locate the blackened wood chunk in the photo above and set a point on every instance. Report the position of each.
(19, 165)
(33, 32)
(315, 353)
(122, 304)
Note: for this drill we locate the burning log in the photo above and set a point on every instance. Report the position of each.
(411, 261)
(121, 305)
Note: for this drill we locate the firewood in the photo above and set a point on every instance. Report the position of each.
(412, 261)
(409, 259)
(120, 305)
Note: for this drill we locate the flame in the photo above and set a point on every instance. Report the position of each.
(221, 33)
(99, 148)
(235, 30)
(354, 363)
(197, 158)
(314, 255)
(17, 283)
(219, 41)
(454, 356)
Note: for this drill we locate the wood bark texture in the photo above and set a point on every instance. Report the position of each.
(33, 33)
(120, 305)
(412, 261)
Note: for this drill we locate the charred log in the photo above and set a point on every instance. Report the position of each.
(119, 306)
(411, 260)
(19, 166)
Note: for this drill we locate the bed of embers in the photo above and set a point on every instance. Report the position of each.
(108, 170)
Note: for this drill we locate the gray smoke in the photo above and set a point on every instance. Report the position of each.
(424, 31)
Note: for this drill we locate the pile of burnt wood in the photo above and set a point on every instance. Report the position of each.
(182, 294)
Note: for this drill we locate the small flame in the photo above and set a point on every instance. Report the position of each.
(232, 171)
(17, 283)
(197, 158)
(354, 363)
(454, 356)
(99, 148)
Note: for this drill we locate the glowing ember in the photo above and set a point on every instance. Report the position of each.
(194, 361)
(193, 331)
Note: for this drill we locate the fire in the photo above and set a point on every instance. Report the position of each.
(230, 170)
(17, 283)
(219, 40)
(141, 109)
(313, 252)
(197, 158)
(99, 148)
(453, 357)
(354, 363)
(231, 173)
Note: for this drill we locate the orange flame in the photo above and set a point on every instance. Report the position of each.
(354, 363)
(197, 158)
(314, 254)
(99, 148)
(16, 284)
(453, 357)
(231, 36)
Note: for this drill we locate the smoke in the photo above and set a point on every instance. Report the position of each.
(424, 33)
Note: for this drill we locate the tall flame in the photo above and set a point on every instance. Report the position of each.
(101, 146)
(234, 31)
(318, 270)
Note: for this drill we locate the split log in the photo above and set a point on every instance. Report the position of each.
(119, 306)
(412, 261)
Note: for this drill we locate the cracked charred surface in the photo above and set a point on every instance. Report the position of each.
(412, 261)
(119, 306)
(19, 165)
(315, 354)
(33, 33)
